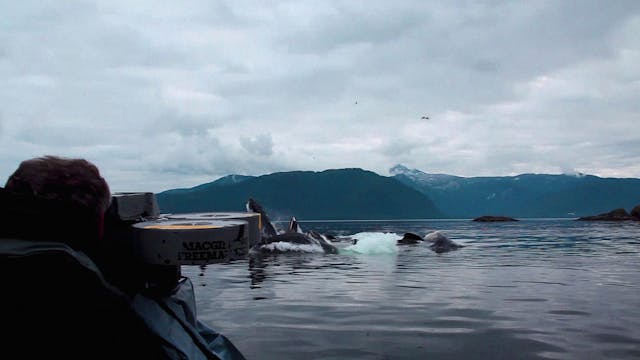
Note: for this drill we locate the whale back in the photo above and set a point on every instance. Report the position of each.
(410, 238)
(441, 243)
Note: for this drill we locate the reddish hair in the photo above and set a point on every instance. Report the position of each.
(77, 181)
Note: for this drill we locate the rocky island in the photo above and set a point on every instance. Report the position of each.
(615, 215)
(491, 218)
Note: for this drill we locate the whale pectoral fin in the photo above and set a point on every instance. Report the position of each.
(267, 227)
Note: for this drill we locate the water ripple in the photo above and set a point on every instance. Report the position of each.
(539, 289)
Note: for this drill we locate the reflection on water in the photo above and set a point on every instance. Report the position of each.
(532, 289)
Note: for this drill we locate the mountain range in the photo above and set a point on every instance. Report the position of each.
(341, 194)
(525, 195)
(329, 195)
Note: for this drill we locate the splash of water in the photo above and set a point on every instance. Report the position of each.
(283, 246)
(374, 243)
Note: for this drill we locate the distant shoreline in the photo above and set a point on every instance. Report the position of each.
(417, 220)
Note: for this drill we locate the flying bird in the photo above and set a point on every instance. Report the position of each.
(424, 117)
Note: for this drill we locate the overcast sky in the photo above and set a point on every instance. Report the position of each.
(179, 93)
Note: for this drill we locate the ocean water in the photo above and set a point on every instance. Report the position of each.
(533, 289)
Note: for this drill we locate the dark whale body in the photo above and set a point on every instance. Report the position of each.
(410, 238)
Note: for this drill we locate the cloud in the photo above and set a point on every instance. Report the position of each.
(261, 145)
(173, 95)
(185, 125)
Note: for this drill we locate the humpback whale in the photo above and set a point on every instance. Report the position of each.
(410, 238)
(291, 240)
(439, 242)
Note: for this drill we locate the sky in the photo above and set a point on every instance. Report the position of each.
(173, 94)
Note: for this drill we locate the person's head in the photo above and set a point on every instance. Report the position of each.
(73, 181)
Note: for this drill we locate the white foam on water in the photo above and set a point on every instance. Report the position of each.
(374, 243)
(287, 246)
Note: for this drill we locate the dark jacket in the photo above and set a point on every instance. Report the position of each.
(56, 302)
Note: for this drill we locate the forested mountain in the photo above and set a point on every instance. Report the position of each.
(407, 194)
(526, 195)
(329, 194)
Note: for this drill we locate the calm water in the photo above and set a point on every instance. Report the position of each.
(558, 289)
